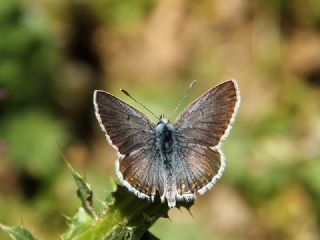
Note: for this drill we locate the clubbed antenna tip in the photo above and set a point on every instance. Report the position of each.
(183, 98)
(135, 100)
(191, 84)
(125, 92)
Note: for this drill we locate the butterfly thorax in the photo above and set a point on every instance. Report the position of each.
(165, 134)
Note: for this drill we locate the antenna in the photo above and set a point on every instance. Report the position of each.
(135, 100)
(183, 98)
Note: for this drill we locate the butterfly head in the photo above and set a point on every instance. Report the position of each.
(163, 120)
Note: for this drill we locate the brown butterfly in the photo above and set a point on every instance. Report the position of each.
(175, 160)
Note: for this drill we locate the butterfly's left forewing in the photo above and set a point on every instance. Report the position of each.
(133, 135)
(201, 127)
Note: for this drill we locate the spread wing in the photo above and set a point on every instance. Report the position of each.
(132, 134)
(201, 127)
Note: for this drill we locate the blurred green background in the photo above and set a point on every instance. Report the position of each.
(53, 54)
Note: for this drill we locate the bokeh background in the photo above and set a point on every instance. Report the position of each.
(54, 53)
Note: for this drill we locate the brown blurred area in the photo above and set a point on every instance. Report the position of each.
(53, 54)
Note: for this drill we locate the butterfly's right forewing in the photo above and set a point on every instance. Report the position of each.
(201, 128)
(208, 119)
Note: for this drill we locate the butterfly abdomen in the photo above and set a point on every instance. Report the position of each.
(165, 139)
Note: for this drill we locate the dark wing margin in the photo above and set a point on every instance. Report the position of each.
(131, 133)
(202, 127)
(209, 119)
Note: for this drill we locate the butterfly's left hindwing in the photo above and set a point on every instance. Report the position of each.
(141, 169)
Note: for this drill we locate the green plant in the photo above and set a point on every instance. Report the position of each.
(124, 216)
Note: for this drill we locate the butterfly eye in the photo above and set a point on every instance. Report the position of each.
(158, 123)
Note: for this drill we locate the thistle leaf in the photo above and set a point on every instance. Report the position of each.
(17, 233)
(84, 192)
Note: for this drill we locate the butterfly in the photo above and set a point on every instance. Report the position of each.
(174, 160)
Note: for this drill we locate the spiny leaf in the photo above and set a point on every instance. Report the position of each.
(18, 233)
(111, 188)
(127, 217)
(78, 224)
(84, 191)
